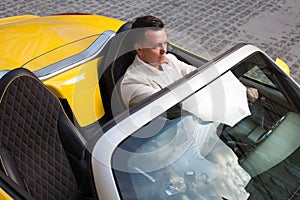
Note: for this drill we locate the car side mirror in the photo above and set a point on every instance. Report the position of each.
(283, 66)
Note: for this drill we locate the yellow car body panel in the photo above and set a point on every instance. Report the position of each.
(35, 42)
(283, 66)
(25, 38)
(15, 19)
(4, 195)
(79, 86)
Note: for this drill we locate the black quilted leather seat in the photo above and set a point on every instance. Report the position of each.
(41, 150)
(117, 57)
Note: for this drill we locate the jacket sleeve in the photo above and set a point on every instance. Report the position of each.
(182, 67)
(134, 91)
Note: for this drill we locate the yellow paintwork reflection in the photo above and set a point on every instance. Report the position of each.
(283, 66)
(27, 37)
(60, 53)
(4, 195)
(80, 87)
(15, 19)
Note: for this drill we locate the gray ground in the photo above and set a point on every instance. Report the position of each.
(209, 27)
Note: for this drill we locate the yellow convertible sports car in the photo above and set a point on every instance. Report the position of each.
(65, 132)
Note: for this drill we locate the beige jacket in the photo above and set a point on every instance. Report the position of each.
(142, 80)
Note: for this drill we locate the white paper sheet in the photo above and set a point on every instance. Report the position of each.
(224, 100)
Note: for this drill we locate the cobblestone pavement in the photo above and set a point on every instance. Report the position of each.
(207, 27)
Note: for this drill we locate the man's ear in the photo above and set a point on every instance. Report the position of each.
(137, 47)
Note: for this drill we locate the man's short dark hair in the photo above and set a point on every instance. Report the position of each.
(144, 23)
(148, 21)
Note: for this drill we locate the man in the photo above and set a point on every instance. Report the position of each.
(153, 68)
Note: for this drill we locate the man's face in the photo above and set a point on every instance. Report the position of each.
(153, 49)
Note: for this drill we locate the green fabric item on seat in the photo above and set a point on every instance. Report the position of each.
(282, 142)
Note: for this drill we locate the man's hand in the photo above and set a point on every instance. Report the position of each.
(252, 94)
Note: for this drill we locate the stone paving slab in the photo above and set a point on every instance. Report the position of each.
(207, 27)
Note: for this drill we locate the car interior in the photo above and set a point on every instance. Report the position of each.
(42, 154)
(265, 140)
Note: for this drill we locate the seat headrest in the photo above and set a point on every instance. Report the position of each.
(125, 27)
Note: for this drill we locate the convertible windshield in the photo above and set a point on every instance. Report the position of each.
(226, 149)
(185, 158)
